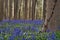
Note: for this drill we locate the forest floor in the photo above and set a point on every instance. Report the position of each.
(25, 30)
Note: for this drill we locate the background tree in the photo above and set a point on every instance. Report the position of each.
(1, 10)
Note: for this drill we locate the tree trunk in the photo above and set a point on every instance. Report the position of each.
(30, 10)
(33, 8)
(1, 10)
(15, 8)
(12, 9)
(51, 20)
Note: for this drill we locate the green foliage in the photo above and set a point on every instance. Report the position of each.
(57, 35)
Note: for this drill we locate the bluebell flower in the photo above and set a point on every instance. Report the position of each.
(48, 37)
(34, 29)
(37, 30)
(33, 37)
(1, 23)
(14, 21)
(11, 23)
(38, 22)
(23, 38)
(16, 31)
(53, 36)
(23, 21)
(21, 33)
(26, 28)
(1, 38)
(19, 21)
(28, 21)
(5, 20)
(2, 30)
(11, 38)
(26, 34)
(7, 29)
(48, 30)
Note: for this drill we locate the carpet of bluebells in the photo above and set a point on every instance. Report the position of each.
(25, 30)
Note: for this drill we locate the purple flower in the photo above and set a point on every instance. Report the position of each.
(38, 22)
(16, 31)
(26, 34)
(26, 28)
(28, 21)
(23, 39)
(21, 33)
(34, 29)
(11, 23)
(7, 29)
(37, 30)
(48, 37)
(1, 23)
(11, 38)
(2, 30)
(33, 37)
(5, 20)
(53, 36)
(14, 21)
(48, 30)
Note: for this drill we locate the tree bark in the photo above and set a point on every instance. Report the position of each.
(26, 7)
(10, 9)
(15, 8)
(51, 15)
(33, 8)
(1, 10)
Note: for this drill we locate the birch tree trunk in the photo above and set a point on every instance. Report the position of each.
(52, 6)
(12, 9)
